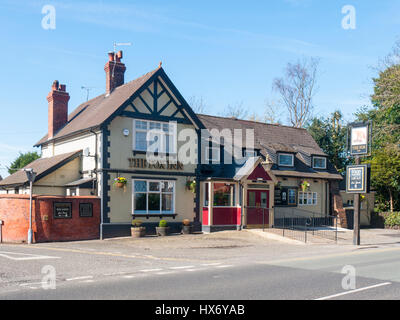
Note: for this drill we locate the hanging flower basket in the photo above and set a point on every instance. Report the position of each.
(191, 185)
(305, 185)
(120, 182)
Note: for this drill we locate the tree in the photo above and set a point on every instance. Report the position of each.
(385, 115)
(235, 111)
(330, 134)
(297, 89)
(197, 104)
(385, 174)
(22, 160)
(272, 110)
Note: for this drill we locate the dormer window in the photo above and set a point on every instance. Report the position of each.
(285, 159)
(213, 154)
(319, 162)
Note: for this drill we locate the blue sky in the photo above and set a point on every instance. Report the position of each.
(227, 52)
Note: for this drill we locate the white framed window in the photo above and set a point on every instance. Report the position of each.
(319, 162)
(308, 198)
(154, 136)
(292, 197)
(153, 196)
(212, 154)
(286, 159)
(224, 194)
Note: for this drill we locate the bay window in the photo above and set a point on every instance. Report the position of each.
(224, 195)
(153, 197)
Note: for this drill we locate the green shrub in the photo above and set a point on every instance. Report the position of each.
(136, 223)
(162, 223)
(392, 219)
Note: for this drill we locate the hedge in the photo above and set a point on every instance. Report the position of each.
(392, 219)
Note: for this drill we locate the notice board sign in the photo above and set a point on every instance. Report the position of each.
(62, 210)
(359, 138)
(357, 179)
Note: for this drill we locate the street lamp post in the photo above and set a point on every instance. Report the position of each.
(31, 175)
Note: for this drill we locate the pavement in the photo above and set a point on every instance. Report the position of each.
(225, 265)
(369, 237)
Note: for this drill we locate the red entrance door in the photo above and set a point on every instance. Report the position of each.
(257, 207)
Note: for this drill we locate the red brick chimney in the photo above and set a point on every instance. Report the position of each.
(58, 108)
(115, 71)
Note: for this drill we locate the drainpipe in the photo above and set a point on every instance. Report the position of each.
(241, 191)
(95, 156)
(103, 136)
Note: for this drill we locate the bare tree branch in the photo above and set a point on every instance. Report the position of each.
(297, 89)
(197, 104)
(235, 111)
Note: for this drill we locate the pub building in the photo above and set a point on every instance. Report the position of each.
(84, 152)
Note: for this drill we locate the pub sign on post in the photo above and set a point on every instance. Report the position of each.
(357, 179)
(359, 138)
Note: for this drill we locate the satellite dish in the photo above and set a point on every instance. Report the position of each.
(86, 152)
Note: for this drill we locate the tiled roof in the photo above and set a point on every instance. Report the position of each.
(94, 112)
(41, 166)
(274, 138)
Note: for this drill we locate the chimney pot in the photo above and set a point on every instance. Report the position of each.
(119, 56)
(55, 85)
(58, 108)
(115, 71)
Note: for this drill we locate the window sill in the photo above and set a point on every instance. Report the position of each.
(135, 152)
(285, 205)
(153, 215)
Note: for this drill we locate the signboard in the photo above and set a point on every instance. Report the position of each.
(62, 210)
(285, 196)
(142, 163)
(85, 210)
(278, 197)
(357, 179)
(359, 138)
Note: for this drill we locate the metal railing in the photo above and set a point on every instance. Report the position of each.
(298, 224)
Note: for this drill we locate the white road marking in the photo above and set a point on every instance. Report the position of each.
(355, 290)
(25, 256)
(79, 278)
(211, 264)
(191, 270)
(32, 283)
(150, 270)
(164, 273)
(129, 277)
(225, 266)
(183, 267)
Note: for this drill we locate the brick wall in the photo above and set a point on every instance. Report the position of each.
(337, 204)
(14, 212)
